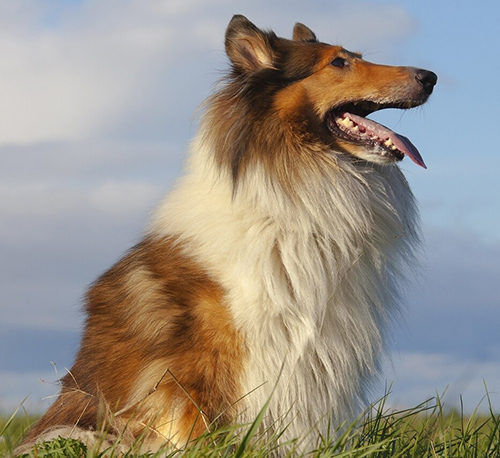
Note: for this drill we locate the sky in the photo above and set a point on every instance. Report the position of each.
(99, 101)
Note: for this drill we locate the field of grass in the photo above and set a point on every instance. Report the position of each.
(426, 430)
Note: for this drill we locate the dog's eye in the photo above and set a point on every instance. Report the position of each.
(339, 62)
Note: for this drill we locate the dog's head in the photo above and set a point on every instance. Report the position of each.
(323, 92)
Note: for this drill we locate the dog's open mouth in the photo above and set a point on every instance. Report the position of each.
(350, 124)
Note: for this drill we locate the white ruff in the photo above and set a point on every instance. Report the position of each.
(311, 281)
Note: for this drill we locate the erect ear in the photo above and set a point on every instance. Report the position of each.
(303, 33)
(247, 47)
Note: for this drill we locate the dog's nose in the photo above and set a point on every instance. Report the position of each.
(427, 79)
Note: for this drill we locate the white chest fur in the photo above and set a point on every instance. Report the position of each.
(311, 282)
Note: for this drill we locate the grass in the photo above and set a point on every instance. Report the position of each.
(427, 430)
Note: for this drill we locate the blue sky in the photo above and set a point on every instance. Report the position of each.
(98, 102)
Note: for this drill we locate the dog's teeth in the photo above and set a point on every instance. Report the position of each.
(346, 122)
(389, 144)
(355, 129)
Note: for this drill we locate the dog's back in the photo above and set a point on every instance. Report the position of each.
(273, 268)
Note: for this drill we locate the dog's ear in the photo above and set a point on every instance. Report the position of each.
(248, 47)
(303, 33)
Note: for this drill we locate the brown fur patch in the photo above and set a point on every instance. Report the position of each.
(159, 343)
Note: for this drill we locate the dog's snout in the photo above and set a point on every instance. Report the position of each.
(427, 79)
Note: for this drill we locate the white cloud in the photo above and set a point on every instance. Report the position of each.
(102, 61)
(122, 197)
(73, 80)
(463, 269)
(47, 190)
(418, 376)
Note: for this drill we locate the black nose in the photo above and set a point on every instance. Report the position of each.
(427, 79)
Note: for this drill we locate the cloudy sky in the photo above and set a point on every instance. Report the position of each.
(97, 104)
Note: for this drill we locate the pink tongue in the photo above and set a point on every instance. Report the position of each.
(400, 142)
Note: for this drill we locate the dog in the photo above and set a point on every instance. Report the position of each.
(269, 275)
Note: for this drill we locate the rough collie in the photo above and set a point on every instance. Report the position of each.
(272, 269)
